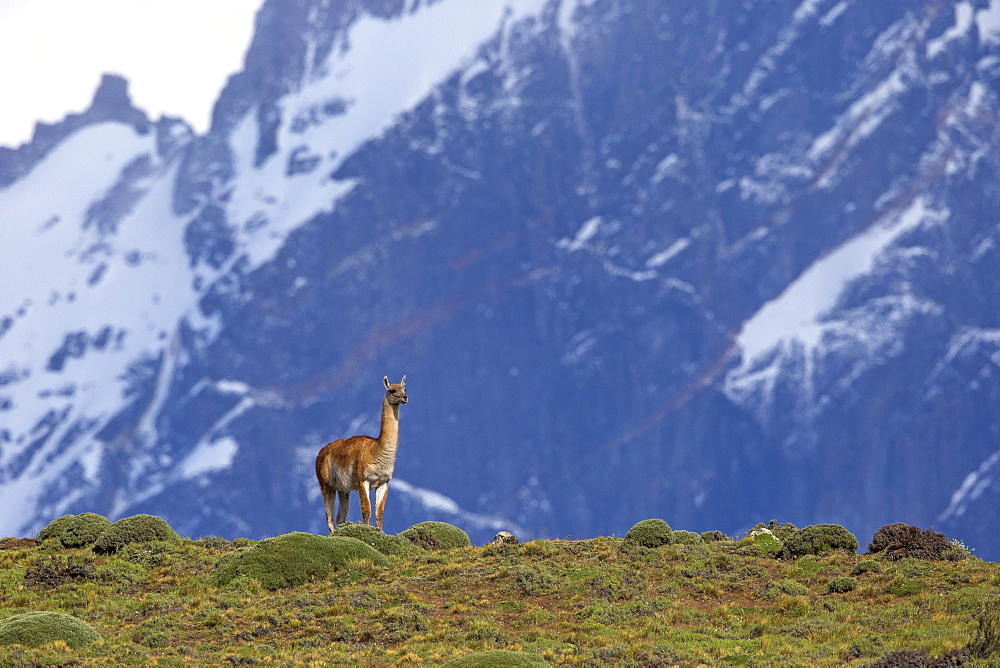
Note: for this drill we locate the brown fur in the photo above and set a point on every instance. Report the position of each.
(361, 463)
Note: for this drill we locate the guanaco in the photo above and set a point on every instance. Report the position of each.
(362, 463)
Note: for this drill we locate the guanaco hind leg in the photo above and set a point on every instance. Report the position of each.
(345, 503)
(329, 499)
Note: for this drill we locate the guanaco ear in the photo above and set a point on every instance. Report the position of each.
(385, 379)
(403, 382)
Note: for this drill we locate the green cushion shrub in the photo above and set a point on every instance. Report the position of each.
(778, 587)
(763, 544)
(386, 544)
(41, 627)
(84, 529)
(867, 566)
(714, 537)
(781, 531)
(55, 528)
(498, 659)
(819, 539)
(650, 533)
(686, 537)
(293, 559)
(841, 585)
(436, 536)
(135, 529)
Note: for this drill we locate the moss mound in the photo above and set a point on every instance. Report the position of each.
(500, 657)
(84, 529)
(39, 627)
(436, 536)
(763, 544)
(293, 559)
(384, 543)
(135, 529)
(899, 540)
(778, 588)
(819, 539)
(55, 528)
(650, 533)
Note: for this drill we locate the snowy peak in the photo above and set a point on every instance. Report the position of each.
(111, 102)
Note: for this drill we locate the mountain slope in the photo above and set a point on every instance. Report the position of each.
(744, 268)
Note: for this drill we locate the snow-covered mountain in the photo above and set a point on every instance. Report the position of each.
(713, 262)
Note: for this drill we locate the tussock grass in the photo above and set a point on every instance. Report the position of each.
(604, 601)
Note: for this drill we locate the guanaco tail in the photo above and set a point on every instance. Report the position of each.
(362, 463)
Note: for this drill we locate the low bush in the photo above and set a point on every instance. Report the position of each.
(498, 658)
(41, 627)
(906, 587)
(921, 659)
(53, 572)
(686, 537)
(151, 553)
(779, 587)
(841, 585)
(650, 533)
(436, 536)
(899, 540)
(714, 537)
(383, 542)
(867, 566)
(83, 529)
(293, 559)
(986, 641)
(819, 539)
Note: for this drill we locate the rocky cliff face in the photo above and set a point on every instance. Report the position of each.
(708, 262)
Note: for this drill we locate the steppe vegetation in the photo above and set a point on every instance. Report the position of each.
(779, 596)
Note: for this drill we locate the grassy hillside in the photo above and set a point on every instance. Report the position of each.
(592, 602)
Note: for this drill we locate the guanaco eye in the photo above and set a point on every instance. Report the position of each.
(392, 390)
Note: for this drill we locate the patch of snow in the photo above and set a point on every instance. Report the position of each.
(587, 231)
(988, 23)
(833, 14)
(768, 63)
(977, 482)
(207, 457)
(665, 256)
(963, 22)
(794, 325)
(797, 311)
(861, 118)
(435, 501)
(232, 386)
(669, 166)
(965, 342)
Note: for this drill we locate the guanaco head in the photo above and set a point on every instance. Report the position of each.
(395, 393)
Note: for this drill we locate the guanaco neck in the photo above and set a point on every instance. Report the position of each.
(388, 435)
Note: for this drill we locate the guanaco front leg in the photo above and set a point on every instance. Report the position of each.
(380, 493)
(366, 504)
